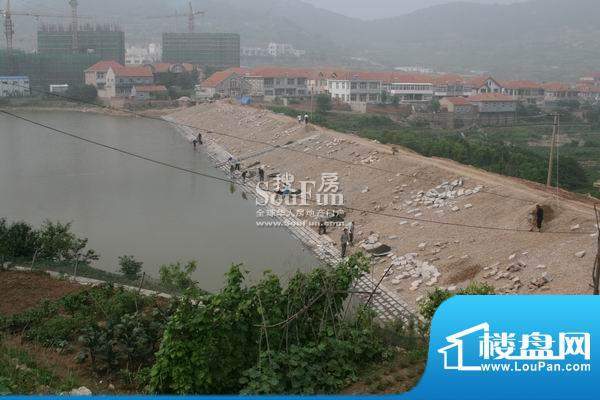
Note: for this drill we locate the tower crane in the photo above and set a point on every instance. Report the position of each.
(190, 14)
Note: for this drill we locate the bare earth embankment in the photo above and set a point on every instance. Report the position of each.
(403, 192)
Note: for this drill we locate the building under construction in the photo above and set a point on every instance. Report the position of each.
(216, 50)
(105, 41)
(44, 70)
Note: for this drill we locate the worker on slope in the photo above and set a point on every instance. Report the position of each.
(200, 139)
(539, 217)
(345, 239)
(351, 233)
(299, 118)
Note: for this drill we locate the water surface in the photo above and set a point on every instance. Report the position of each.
(129, 206)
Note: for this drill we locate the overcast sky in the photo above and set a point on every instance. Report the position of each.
(386, 8)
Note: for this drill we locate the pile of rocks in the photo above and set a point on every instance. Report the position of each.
(409, 267)
(444, 195)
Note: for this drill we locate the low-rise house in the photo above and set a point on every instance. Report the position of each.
(149, 92)
(228, 83)
(355, 87)
(409, 87)
(556, 91)
(121, 80)
(495, 108)
(270, 83)
(96, 75)
(60, 88)
(450, 85)
(589, 93)
(14, 86)
(457, 112)
(481, 85)
(525, 91)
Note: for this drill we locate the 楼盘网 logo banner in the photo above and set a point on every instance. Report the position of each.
(513, 347)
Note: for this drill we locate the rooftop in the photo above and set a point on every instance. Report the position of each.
(490, 97)
(104, 66)
(144, 72)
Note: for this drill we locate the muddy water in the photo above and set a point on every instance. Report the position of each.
(129, 206)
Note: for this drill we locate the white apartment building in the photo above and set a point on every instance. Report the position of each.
(355, 87)
(14, 86)
(273, 82)
(410, 91)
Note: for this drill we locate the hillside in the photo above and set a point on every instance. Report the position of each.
(538, 39)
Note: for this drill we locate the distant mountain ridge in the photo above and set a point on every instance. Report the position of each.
(538, 39)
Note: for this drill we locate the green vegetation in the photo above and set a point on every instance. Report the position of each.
(83, 93)
(434, 299)
(21, 374)
(263, 337)
(504, 151)
(323, 103)
(130, 267)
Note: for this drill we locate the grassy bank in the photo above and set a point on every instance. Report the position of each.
(507, 151)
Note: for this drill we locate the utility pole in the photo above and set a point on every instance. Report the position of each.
(596, 274)
(74, 25)
(9, 32)
(555, 130)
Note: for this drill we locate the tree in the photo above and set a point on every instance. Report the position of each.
(435, 105)
(323, 103)
(385, 96)
(395, 100)
(178, 276)
(84, 93)
(130, 267)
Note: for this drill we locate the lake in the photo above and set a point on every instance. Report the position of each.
(126, 205)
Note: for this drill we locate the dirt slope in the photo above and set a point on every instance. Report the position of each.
(507, 259)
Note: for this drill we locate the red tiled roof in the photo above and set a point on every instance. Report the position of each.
(485, 97)
(448, 79)
(521, 85)
(279, 72)
(104, 66)
(588, 89)
(479, 81)
(138, 72)
(150, 88)
(215, 79)
(556, 87)
(457, 101)
(161, 68)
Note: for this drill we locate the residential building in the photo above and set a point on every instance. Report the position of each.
(273, 82)
(450, 85)
(149, 92)
(494, 108)
(482, 84)
(589, 93)
(524, 91)
(228, 83)
(457, 112)
(591, 79)
(409, 87)
(14, 86)
(217, 50)
(355, 87)
(556, 91)
(59, 89)
(96, 75)
(284, 50)
(106, 42)
(121, 80)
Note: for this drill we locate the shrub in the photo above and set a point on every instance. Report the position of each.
(178, 276)
(429, 305)
(17, 240)
(130, 267)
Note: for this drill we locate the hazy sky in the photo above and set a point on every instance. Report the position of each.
(386, 8)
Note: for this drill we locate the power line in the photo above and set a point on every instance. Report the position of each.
(273, 146)
(182, 169)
